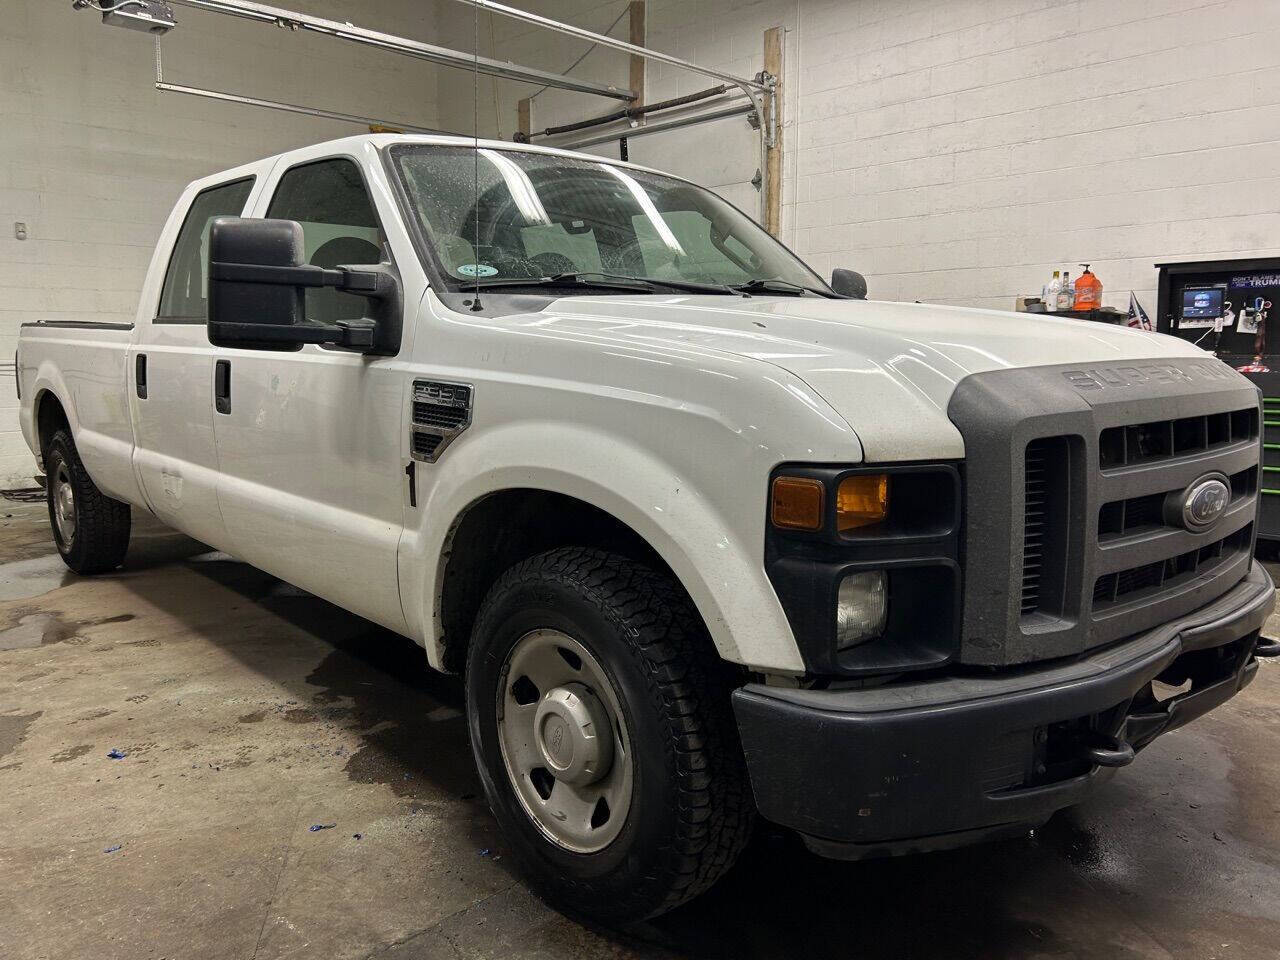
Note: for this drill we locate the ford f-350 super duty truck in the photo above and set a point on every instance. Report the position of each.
(705, 535)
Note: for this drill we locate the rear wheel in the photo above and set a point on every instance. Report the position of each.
(90, 529)
(600, 721)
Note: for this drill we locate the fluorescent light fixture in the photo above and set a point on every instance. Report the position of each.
(646, 206)
(522, 190)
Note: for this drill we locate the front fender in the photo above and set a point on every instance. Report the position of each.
(711, 539)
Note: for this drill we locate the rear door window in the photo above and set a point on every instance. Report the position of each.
(184, 298)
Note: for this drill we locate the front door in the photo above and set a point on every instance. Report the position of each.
(311, 483)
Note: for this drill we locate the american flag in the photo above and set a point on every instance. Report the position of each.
(1137, 316)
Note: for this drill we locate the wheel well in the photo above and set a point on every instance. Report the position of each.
(500, 530)
(50, 417)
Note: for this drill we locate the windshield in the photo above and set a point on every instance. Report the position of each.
(544, 216)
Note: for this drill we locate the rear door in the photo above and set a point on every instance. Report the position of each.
(171, 364)
(312, 481)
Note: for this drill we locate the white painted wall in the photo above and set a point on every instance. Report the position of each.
(92, 157)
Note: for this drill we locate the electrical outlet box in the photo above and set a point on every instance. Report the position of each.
(149, 16)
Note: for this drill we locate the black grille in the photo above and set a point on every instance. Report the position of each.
(425, 444)
(1163, 439)
(1169, 573)
(1046, 484)
(1033, 524)
(432, 415)
(1138, 514)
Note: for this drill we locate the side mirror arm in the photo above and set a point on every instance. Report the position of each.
(364, 282)
(350, 334)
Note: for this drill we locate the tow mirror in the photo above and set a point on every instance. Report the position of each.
(849, 283)
(258, 278)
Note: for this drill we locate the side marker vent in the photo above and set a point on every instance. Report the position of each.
(440, 412)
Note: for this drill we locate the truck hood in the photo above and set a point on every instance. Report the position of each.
(888, 368)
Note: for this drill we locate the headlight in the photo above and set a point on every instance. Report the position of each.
(862, 607)
(862, 500)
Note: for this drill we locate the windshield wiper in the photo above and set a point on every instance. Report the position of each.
(776, 285)
(693, 286)
(612, 281)
(561, 280)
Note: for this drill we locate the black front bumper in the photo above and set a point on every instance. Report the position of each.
(935, 763)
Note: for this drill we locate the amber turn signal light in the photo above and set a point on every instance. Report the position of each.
(796, 503)
(862, 500)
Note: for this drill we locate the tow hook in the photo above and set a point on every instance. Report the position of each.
(1266, 647)
(1108, 751)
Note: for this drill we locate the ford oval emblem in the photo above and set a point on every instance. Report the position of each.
(1204, 503)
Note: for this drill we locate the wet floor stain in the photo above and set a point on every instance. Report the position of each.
(30, 632)
(25, 579)
(36, 629)
(413, 735)
(372, 682)
(13, 729)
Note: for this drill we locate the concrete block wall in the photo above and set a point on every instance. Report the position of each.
(92, 157)
(958, 151)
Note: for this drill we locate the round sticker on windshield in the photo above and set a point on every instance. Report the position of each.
(475, 270)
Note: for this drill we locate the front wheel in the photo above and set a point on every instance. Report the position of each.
(90, 529)
(600, 721)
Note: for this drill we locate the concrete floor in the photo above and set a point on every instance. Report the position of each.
(249, 711)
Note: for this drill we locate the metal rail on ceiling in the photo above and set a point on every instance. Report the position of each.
(759, 85)
(657, 126)
(263, 13)
(761, 90)
(162, 84)
(291, 108)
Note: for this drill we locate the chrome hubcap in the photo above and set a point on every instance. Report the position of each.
(564, 744)
(64, 505)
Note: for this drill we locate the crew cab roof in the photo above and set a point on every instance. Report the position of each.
(380, 140)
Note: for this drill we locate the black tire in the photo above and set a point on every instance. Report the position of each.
(101, 533)
(691, 808)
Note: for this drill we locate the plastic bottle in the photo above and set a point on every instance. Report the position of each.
(1066, 294)
(1051, 291)
(1088, 290)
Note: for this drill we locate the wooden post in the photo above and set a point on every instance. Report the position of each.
(637, 63)
(524, 116)
(773, 39)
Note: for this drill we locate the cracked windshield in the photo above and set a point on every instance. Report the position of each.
(546, 219)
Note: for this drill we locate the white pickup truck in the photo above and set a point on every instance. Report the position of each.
(707, 536)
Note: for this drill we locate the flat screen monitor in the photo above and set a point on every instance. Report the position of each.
(1202, 303)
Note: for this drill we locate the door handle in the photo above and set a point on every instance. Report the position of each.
(140, 375)
(222, 386)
